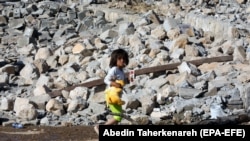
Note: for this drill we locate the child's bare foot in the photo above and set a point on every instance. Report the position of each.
(96, 128)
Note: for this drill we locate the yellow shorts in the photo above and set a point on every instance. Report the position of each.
(117, 109)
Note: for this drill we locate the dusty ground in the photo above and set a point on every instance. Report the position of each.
(31, 133)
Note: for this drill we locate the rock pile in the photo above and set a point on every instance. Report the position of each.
(50, 45)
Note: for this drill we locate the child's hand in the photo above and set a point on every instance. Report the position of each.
(123, 102)
(117, 85)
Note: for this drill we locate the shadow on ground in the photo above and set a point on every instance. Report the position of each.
(44, 133)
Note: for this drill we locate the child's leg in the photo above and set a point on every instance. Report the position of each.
(117, 109)
(96, 128)
(111, 121)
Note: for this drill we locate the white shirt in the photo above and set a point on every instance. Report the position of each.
(114, 74)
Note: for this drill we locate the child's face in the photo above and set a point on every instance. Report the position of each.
(120, 62)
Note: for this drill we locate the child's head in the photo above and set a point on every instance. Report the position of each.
(119, 58)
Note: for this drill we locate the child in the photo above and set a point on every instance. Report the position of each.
(119, 59)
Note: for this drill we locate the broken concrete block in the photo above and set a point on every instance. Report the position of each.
(3, 20)
(28, 32)
(23, 41)
(16, 13)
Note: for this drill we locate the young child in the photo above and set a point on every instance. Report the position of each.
(119, 59)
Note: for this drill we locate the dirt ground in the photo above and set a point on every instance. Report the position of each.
(42, 133)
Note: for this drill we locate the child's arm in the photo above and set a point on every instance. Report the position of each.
(110, 77)
(117, 85)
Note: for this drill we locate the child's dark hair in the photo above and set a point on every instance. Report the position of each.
(118, 53)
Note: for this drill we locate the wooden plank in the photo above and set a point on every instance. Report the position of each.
(154, 69)
(175, 65)
(92, 83)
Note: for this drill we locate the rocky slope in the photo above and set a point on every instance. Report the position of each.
(52, 45)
